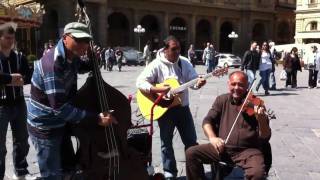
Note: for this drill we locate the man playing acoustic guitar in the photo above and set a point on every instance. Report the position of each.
(169, 64)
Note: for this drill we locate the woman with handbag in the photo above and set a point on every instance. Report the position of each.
(291, 65)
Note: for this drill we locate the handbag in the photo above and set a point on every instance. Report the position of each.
(283, 75)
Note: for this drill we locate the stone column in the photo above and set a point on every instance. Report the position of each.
(216, 32)
(165, 31)
(102, 24)
(192, 31)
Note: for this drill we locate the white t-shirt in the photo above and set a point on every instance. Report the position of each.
(265, 61)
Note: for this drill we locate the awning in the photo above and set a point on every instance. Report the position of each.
(24, 16)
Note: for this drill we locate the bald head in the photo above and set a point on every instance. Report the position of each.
(238, 84)
(239, 74)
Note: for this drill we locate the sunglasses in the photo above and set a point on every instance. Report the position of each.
(80, 40)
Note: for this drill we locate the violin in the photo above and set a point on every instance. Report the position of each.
(250, 103)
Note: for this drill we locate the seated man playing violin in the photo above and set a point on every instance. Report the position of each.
(243, 145)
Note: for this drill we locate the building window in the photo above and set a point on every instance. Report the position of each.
(313, 1)
(313, 26)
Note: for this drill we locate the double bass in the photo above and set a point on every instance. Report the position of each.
(103, 152)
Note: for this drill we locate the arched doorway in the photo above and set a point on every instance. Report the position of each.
(225, 42)
(259, 33)
(283, 33)
(118, 29)
(152, 34)
(178, 28)
(203, 33)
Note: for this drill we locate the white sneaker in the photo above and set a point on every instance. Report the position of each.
(24, 177)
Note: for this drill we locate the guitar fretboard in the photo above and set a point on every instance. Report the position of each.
(189, 84)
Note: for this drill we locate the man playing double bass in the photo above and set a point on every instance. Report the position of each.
(49, 108)
(245, 145)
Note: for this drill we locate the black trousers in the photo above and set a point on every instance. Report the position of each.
(313, 75)
(291, 78)
(250, 160)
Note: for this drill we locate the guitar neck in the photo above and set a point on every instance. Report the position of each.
(189, 84)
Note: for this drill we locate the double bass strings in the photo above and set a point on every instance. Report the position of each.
(103, 102)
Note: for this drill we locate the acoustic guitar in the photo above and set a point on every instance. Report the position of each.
(146, 100)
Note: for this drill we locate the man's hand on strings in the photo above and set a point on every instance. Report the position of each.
(106, 118)
(263, 121)
(217, 143)
(201, 82)
(260, 113)
(162, 90)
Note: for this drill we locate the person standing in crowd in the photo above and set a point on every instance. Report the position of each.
(250, 62)
(291, 64)
(46, 48)
(265, 68)
(273, 85)
(14, 73)
(192, 55)
(246, 145)
(54, 84)
(51, 44)
(169, 64)
(109, 58)
(313, 59)
(147, 53)
(208, 57)
(119, 58)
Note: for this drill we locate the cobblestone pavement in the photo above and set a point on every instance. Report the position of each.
(296, 131)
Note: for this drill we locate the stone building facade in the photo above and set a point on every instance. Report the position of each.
(192, 21)
(308, 21)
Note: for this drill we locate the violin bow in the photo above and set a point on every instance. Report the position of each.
(240, 111)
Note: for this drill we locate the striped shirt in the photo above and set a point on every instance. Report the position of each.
(53, 83)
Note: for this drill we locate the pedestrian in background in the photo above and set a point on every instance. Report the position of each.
(192, 55)
(313, 59)
(265, 68)
(273, 85)
(109, 58)
(291, 64)
(14, 74)
(207, 57)
(119, 58)
(147, 53)
(250, 62)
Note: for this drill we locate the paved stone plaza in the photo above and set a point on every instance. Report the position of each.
(296, 131)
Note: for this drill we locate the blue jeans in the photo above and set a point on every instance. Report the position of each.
(265, 79)
(210, 66)
(16, 115)
(251, 76)
(181, 118)
(49, 156)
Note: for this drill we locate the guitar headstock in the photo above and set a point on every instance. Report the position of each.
(220, 72)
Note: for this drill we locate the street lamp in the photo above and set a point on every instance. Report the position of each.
(139, 30)
(232, 36)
